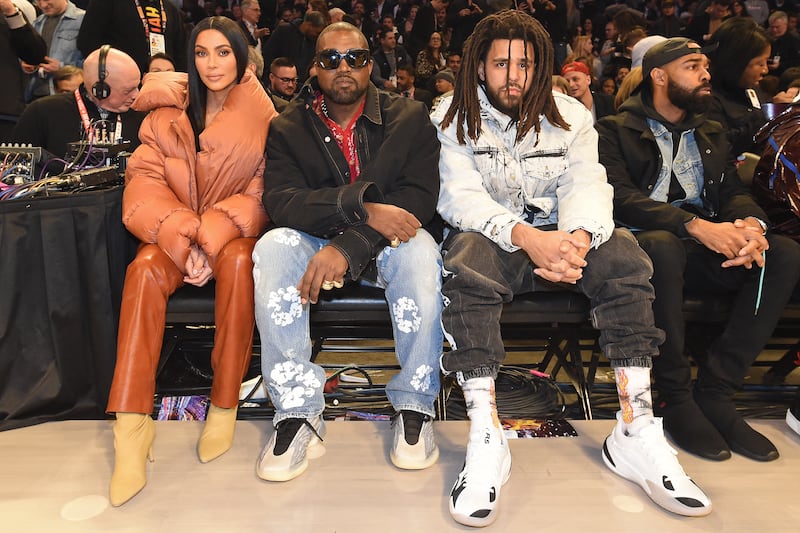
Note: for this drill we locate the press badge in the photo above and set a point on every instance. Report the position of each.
(751, 95)
(158, 44)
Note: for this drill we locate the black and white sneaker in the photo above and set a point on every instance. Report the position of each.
(793, 415)
(414, 446)
(292, 444)
(644, 457)
(475, 496)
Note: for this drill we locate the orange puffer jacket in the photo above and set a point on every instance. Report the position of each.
(175, 195)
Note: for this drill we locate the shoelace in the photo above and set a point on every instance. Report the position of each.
(661, 454)
(287, 429)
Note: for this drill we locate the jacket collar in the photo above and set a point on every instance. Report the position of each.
(490, 112)
(372, 107)
(639, 108)
(73, 11)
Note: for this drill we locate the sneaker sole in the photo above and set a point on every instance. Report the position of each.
(408, 463)
(624, 470)
(473, 521)
(792, 422)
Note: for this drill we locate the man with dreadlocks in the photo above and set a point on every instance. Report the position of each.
(530, 209)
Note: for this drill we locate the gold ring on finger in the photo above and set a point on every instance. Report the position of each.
(327, 285)
(394, 243)
(338, 284)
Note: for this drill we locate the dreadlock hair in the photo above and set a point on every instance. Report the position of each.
(538, 100)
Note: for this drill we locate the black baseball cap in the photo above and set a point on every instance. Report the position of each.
(668, 51)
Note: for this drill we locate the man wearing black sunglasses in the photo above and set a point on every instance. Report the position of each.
(351, 182)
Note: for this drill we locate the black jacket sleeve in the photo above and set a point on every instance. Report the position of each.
(27, 44)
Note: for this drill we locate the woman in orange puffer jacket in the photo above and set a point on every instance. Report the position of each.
(193, 198)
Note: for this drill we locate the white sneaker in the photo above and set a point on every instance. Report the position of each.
(414, 446)
(644, 457)
(476, 493)
(292, 444)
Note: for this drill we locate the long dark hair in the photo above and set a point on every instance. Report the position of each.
(538, 100)
(197, 89)
(739, 40)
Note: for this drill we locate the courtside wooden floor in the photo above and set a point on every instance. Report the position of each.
(55, 477)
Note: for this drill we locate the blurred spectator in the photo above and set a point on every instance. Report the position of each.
(58, 25)
(430, 60)
(785, 45)
(669, 25)
(296, 41)
(703, 25)
(405, 83)
(608, 86)
(67, 79)
(580, 81)
(628, 85)
(248, 22)
(444, 82)
(389, 57)
(161, 62)
(737, 65)
(454, 61)
(141, 29)
(425, 24)
(462, 16)
(18, 40)
(283, 79)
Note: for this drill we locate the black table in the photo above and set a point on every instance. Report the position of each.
(62, 266)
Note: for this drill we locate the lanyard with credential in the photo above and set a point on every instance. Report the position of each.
(87, 122)
(145, 22)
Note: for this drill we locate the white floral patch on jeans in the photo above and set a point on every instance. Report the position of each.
(277, 303)
(406, 315)
(422, 378)
(288, 236)
(305, 383)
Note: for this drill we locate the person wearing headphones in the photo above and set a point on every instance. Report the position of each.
(98, 111)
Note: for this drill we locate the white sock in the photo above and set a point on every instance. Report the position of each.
(633, 388)
(481, 404)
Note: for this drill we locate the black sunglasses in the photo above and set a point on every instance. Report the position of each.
(355, 57)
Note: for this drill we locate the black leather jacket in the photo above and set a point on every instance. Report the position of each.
(307, 178)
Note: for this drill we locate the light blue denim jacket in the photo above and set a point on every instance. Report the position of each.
(64, 46)
(552, 177)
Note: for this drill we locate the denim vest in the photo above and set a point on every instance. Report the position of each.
(686, 165)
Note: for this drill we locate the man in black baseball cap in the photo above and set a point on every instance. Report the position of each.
(675, 184)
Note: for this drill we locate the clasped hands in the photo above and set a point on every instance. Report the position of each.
(326, 270)
(740, 241)
(559, 256)
(198, 269)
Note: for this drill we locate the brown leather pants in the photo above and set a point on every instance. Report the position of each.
(150, 280)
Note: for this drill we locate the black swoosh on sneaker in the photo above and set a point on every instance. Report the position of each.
(461, 484)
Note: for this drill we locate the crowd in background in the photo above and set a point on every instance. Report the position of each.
(423, 33)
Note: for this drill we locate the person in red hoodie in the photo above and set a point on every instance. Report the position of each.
(193, 198)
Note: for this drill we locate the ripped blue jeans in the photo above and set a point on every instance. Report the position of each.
(411, 277)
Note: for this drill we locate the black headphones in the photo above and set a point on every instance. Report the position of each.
(101, 90)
